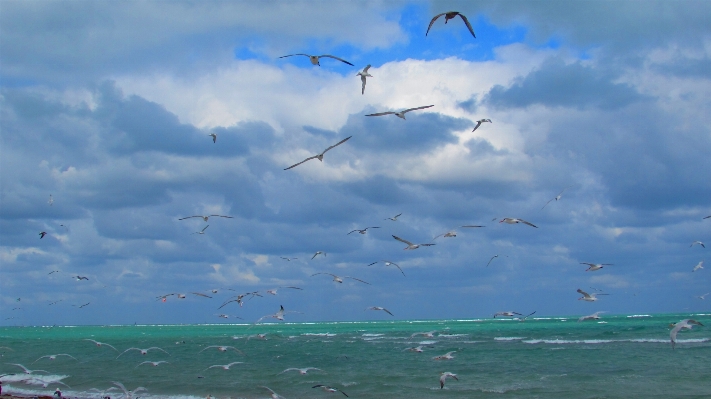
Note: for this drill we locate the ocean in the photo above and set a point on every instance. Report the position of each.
(621, 356)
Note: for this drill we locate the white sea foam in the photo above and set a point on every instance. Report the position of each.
(508, 338)
(372, 335)
(319, 334)
(427, 342)
(607, 341)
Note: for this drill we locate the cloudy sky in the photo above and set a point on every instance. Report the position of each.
(108, 108)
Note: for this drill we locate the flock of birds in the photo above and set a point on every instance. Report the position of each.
(241, 298)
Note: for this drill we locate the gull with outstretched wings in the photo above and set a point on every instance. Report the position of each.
(319, 156)
(449, 15)
(400, 114)
(315, 58)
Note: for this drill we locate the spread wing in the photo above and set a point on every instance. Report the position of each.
(357, 279)
(585, 294)
(433, 21)
(401, 240)
(336, 58)
(290, 55)
(188, 217)
(478, 123)
(469, 26)
(297, 164)
(336, 145)
(528, 223)
(413, 109)
(381, 113)
(362, 79)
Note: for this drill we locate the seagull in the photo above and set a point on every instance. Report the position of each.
(686, 323)
(301, 371)
(26, 370)
(278, 315)
(557, 197)
(202, 231)
(697, 242)
(222, 349)
(699, 266)
(274, 394)
(411, 245)
(340, 279)
(143, 351)
(417, 349)
(594, 316)
(56, 302)
(318, 253)
(152, 363)
(224, 366)
(80, 278)
(400, 114)
(51, 200)
(595, 266)
(507, 314)
(214, 137)
(363, 75)
(429, 334)
(315, 58)
(319, 156)
(451, 233)
(329, 389)
(225, 316)
(479, 122)
(492, 258)
(388, 263)
(514, 221)
(81, 306)
(364, 230)
(239, 297)
(588, 297)
(444, 377)
(181, 296)
(206, 217)
(42, 234)
(709, 216)
(101, 343)
(288, 259)
(380, 308)
(273, 291)
(394, 218)
(446, 356)
(53, 271)
(703, 296)
(126, 392)
(526, 316)
(449, 15)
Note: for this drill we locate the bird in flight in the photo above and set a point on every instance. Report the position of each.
(595, 266)
(388, 263)
(699, 266)
(182, 296)
(288, 259)
(239, 298)
(446, 356)
(26, 370)
(703, 296)
(278, 315)
(143, 351)
(588, 297)
(410, 245)
(697, 242)
(53, 357)
(514, 221)
(594, 316)
(274, 394)
(42, 234)
(444, 376)
(709, 216)
(315, 58)
(99, 344)
(687, 324)
(452, 233)
(492, 258)
(273, 291)
(79, 278)
(223, 366)
(319, 156)
(223, 349)
(318, 253)
(449, 15)
(364, 230)
(400, 114)
(363, 75)
(507, 314)
(202, 231)
(329, 389)
(205, 218)
(557, 197)
(301, 371)
(380, 308)
(152, 363)
(340, 279)
(479, 122)
(214, 137)
(394, 218)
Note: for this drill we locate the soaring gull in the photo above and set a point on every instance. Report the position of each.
(449, 15)
(595, 266)
(444, 376)
(400, 114)
(479, 122)
(687, 324)
(315, 58)
(205, 218)
(339, 279)
(363, 74)
(410, 245)
(380, 308)
(319, 156)
(515, 220)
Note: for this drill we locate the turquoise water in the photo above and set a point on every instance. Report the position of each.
(623, 357)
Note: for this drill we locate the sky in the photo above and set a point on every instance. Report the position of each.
(107, 108)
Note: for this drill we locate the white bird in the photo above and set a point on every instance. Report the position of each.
(143, 351)
(301, 371)
(446, 356)
(152, 363)
(595, 266)
(239, 298)
(507, 314)
(444, 376)
(274, 394)
(202, 231)
(363, 74)
(340, 279)
(205, 218)
(697, 242)
(223, 366)
(515, 220)
(225, 316)
(394, 218)
(452, 233)
(417, 349)
(315, 58)
(699, 266)
(99, 344)
(128, 394)
(278, 315)
(492, 258)
(400, 114)
(329, 389)
(429, 334)
(214, 137)
(479, 122)
(594, 316)
(588, 297)
(273, 291)
(222, 349)
(557, 197)
(703, 296)
(181, 296)
(410, 245)
(319, 156)
(53, 357)
(364, 230)
(26, 370)
(51, 200)
(687, 324)
(449, 15)
(380, 308)
(317, 254)
(388, 263)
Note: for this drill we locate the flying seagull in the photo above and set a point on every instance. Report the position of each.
(526, 316)
(449, 15)
(703, 296)
(697, 242)
(223, 366)
(42, 234)
(507, 314)
(202, 231)
(588, 297)
(181, 296)
(364, 230)
(492, 258)
(239, 297)
(301, 371)
(340, 279)
(79, 278)
(274, 394)
(329, 389)
(363, 75)
(394, 218)
(446, 356)
(214, 137)
(699, 266)
(388, 263)
(452, 233)
(152, 363)
(514, 221)
(557, 197)
(380, 308)
(26, 370)
(53, 357)
(315, 58)
(143, 351)
(594, 316)
(411, 245)
(100, 344)
(278, 315)
(222, 349)
(318, 253)
(444, 377)
(288, 259)
(709, 216)
(206, 217)
(319, 156)
(595, 266)
(400, 114)
(273, 291)
(479, 122)
(687, 324)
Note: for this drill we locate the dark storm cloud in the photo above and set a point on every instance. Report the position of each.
(556, 84)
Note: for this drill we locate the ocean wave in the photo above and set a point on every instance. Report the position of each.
(607, 341)
(427, 342)
(320, 334)
(372, 335)
(452, 335)
(507, 338)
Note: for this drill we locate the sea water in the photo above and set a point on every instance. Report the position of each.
(557, 357)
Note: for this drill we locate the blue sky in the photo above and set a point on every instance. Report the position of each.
(108, 107)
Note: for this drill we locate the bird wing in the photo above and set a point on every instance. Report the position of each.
(336, 58)
(709, 216)
(478, 123)
(387, 311)
(549, 201)
(492, 258)
(427, 245)
(160, 349)
(222, 216)
(382, 113)
(353, 231)
(585, 294)
(366, 68)
(197, 293)
(353, 278)
(337, 144)
(403, 273)
(528, 223)
(296, 288)
(401, 240)
(471, 226)
(188, 217)
(205, 228)
(362, 79)
(466, 21)
(324, 273)
(297, 164)
(416, 108)
(433, 21)
(290, 55)
(223, 305)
